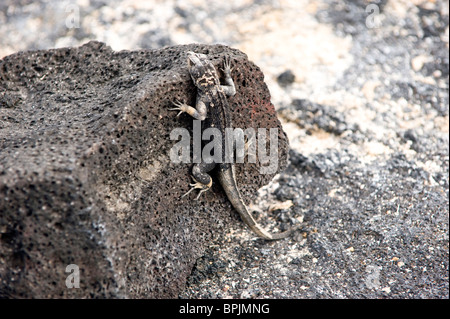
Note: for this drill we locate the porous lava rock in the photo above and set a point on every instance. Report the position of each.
(85, 172)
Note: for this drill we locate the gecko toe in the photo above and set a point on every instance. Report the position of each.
(197, 185)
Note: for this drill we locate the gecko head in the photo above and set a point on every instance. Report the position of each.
(202, 71)
(196, 59)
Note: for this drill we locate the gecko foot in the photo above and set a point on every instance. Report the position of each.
(180, 106)
(197, 185)
(227, 66)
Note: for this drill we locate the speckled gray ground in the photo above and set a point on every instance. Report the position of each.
(368, 121)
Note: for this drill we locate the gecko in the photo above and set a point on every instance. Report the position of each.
(213, 110)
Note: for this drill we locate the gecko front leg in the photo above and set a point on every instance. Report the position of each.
(229, 89)
(198, 112)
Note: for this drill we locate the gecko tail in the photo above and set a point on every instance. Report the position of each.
(228, 182)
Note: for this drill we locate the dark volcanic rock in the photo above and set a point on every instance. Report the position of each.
(85, 174)
(286, 78)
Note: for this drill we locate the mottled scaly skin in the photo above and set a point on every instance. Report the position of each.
(213, 110)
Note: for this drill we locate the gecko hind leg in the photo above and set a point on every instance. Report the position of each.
(202, 180)
(197, 185)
